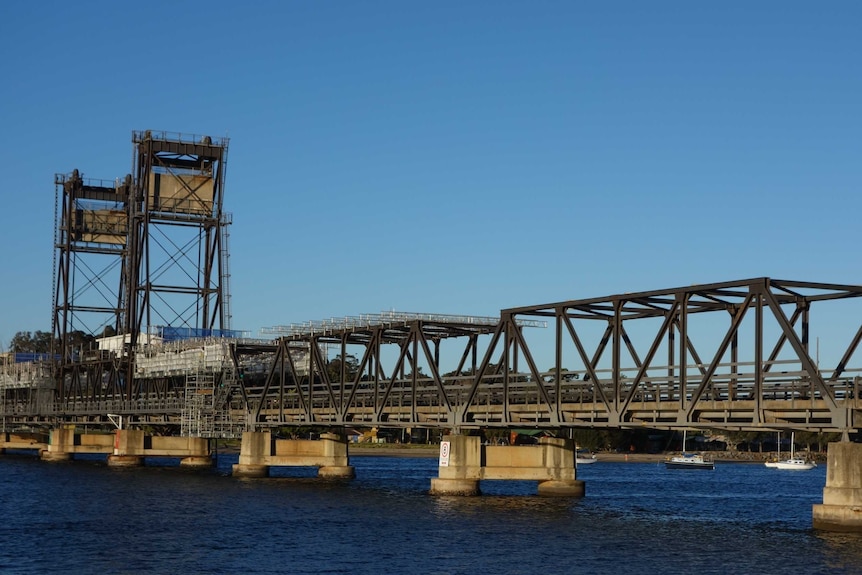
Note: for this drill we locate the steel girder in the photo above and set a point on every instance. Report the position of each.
(737, 357)
(782, 389)
(758, 372)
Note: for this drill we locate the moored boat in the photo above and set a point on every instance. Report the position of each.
(585, 457)
(688, 460)
(778, 457)
(794, 463)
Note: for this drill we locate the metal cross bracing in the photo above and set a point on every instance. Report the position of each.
(148, 250)
(748, 367)
(177, 273)
(306, 387)
(90, 234)
(733, 355)
(738, 357)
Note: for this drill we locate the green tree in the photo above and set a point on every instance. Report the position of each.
(27, 342)
(80, 340)
(351, 367)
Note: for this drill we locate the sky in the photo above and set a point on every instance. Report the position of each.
(452, 157)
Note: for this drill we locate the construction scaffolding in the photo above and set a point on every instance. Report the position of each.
(25, 386)
(207, 409)
(384, 319)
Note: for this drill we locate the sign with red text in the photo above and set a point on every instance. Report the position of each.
(444, 454)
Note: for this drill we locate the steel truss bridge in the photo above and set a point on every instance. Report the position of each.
(734, 355)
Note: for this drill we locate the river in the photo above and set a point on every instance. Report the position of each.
(82, 517)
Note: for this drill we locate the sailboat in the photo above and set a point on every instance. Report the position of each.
(688, 460)
(799, 463)
(778, 457)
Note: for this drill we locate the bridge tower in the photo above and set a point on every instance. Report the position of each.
(177, 272)
(91, 231)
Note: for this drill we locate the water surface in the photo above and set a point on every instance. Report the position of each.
(81, 517)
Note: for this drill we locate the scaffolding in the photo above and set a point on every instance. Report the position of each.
(209, 383)
(207, 410)
(25, 387)
(384, 319)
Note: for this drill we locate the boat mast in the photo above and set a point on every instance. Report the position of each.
(792, 441)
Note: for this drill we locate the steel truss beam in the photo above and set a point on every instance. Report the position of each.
(729, 387)
(754, 371)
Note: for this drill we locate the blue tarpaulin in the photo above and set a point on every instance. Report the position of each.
(168, 333)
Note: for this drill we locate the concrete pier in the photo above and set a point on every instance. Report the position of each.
(460, 466)
(61, 444)
(464, 461)
(259, 452)
(841, 509)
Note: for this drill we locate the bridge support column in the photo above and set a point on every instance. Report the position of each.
(464, 461)
(460, 466)
(334, 453)
(61, 444)
(128, 448)
(559, 458)
(841, 509)
(254, 451)
(259, 452)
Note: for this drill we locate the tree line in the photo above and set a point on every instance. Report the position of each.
(45, 342)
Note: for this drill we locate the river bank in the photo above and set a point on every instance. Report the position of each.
(396, 450)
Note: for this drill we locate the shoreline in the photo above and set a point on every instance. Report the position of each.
(432, 451)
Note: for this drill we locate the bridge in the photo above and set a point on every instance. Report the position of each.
(390, 370)
(733, 355)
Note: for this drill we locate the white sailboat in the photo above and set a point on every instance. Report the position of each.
(688, 460)
(797, 463)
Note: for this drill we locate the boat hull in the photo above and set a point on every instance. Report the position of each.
(795, 465)
(683, 465)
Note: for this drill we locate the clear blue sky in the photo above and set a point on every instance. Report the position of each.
(452, 157)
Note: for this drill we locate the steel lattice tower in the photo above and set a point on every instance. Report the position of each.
(91, 231)
(176, 274)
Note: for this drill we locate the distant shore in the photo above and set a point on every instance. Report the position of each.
(395, 450)
(429, 451)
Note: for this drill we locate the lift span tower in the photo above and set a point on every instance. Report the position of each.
(146, 255)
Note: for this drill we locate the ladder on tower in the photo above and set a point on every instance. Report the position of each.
(225, 270)
(206, 410)
(196, 417)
